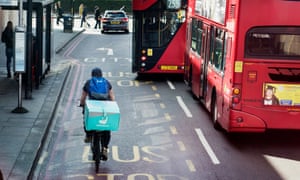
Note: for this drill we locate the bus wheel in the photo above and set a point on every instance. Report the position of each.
(214, 113)
(190, 83)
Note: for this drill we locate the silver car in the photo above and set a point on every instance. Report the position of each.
(116, 20)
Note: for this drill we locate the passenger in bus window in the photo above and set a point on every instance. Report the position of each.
(269, 97)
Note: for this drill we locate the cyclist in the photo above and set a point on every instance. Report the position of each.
(87, 91)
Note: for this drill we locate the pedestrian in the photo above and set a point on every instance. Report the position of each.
(59, 12)
(97, 17)
(8, 38)
(83, 17)
(97, 88)
(80, 10)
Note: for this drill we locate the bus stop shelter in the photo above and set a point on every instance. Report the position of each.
(38, 41)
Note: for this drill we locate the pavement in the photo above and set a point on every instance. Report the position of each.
(23, 134)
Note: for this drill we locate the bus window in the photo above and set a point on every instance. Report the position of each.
(197, 31)
(217, 49)
(159, 28)
(271, 42)
(194, 34)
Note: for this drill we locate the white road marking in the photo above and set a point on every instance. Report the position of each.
(207, 147)
(284, 167)
(184, 107)
(171, 85)
(110, 51)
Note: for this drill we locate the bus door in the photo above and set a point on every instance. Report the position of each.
(205, 55)
(215, 74)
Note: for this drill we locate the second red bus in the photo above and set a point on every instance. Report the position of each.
(243, 62)
(159, 36)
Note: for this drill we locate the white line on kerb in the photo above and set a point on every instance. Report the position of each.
(171, 85)
(184, 107)
(207, 147)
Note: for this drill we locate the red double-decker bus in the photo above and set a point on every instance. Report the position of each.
(243, 62)
(159, 36)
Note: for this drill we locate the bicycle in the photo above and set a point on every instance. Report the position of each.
(95, 147)
(98, 127)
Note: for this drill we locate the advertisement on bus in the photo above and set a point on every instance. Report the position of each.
(281, 94)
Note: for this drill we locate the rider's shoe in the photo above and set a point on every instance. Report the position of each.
(104, 154)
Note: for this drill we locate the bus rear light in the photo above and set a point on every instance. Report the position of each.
(235, 100)
(144, 51)
(143, 58)
(236, 91)
(143, 64)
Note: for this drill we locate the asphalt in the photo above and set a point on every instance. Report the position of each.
(23, 134)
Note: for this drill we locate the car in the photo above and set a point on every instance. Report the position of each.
(116, 20)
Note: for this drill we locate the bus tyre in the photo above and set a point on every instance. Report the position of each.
(190, 83)
(214, 113)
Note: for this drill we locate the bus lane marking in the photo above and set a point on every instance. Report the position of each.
(136, 176)
(167, 117)
(154, 88)
(162, 105)
(173, 130)
(109, 51)
(190, 165)
(91, 60)
(207, 147)
(85, 155)
(184, 107)
(170, 84)
(181, 146)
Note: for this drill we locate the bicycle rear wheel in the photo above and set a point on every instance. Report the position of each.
(95, 147)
